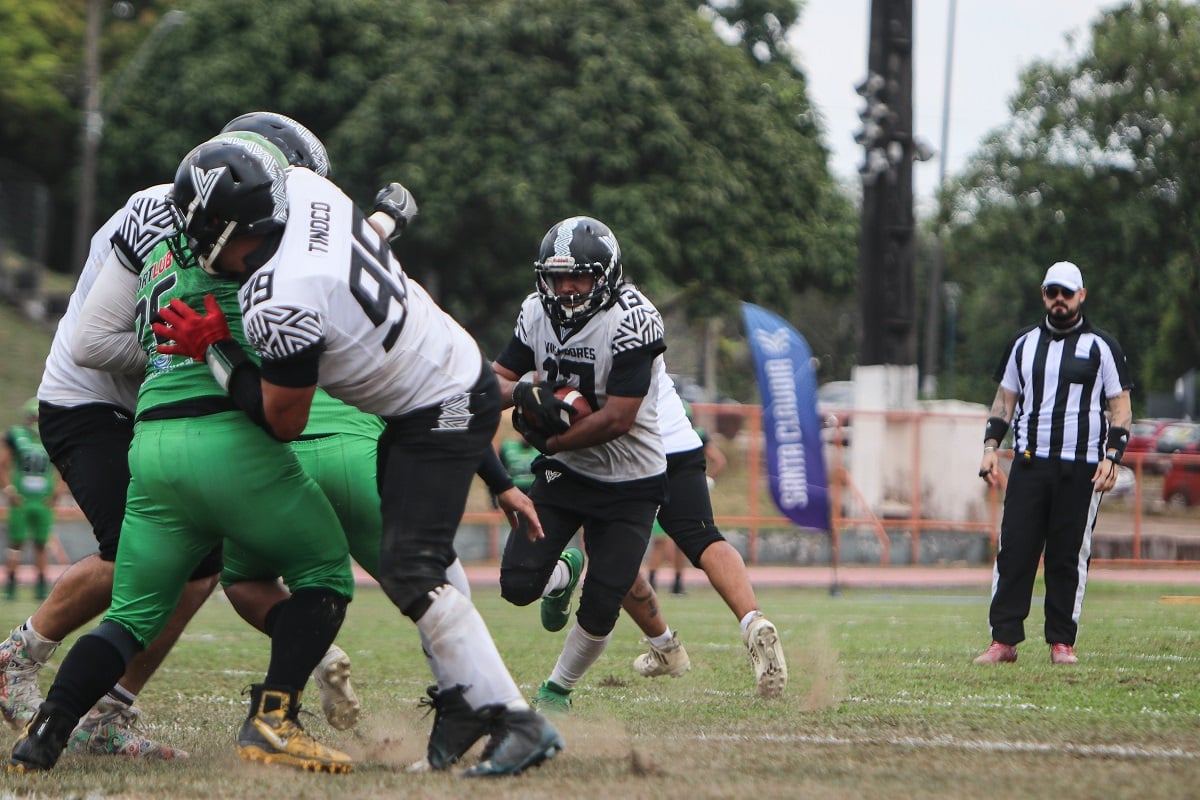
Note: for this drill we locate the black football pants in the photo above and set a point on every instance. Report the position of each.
(1050, 507)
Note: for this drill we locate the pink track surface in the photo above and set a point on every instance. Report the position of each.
(854, 576)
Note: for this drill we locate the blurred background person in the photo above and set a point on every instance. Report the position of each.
(31, 487)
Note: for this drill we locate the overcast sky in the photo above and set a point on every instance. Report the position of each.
(993, 41)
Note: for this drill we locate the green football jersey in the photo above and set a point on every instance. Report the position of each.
(176, 379)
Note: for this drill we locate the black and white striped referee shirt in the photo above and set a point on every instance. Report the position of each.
(1062, 381)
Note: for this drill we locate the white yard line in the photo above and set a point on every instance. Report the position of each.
(931, 743)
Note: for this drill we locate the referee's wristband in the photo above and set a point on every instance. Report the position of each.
(1113, 457)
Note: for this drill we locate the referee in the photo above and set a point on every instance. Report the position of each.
(1057, 381)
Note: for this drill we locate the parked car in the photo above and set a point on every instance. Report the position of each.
(1181, 484)
(1143, 435)
(1143, 438)
(1176, 436)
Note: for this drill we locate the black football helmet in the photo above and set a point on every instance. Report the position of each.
(299, 145)
(230, 186)
(573, 246)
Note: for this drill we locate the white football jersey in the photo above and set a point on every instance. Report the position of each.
(677, 432)
(65, 383)
(584, 358)
(333, 283)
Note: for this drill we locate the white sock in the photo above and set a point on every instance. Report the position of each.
(661, 641)
(456, 574)
(579, 652)
(37, 645)
(460, 650)
(746, 620)
(558, 579)
(121, 694)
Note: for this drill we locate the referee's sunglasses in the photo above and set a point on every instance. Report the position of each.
(1052, 292)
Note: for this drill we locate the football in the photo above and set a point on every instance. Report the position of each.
(572, 397)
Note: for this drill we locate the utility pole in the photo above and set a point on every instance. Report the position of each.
(887, 284)
(937, 263)
(89, 140)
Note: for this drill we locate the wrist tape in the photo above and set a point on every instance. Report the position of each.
(223, 358)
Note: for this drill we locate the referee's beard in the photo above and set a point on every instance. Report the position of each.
(1061, 317)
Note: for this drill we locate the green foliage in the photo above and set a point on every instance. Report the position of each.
(39, 59)
(882, 701)
(26, 344)
(1098, 168)
(504, 117)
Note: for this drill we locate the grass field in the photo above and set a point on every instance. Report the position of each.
(883, 702)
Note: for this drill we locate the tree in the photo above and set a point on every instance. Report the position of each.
(41, 54)
(505, 116)
(1097, 167)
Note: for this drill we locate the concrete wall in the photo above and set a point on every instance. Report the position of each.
(945, 438)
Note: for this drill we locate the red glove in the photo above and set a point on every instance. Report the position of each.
(191, 332)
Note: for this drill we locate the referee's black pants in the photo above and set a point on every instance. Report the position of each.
(1049, 506)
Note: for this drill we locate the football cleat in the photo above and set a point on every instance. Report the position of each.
(339, 702)
(552, 699)
(111, 729)
(272, 734)
(556, 608)
(766, 656)
(671, 659)
(456, 727)
(521, 739)
(19, 692)
(39, 746)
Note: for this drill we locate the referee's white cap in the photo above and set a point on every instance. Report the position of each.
(1064, 274)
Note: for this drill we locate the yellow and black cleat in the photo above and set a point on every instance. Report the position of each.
(272, 734)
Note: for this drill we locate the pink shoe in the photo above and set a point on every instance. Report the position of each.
(998, 653)
(1063, 654)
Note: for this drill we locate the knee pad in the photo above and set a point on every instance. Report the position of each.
(413, 566)
(324, 607)
(599, 608)
(521, 586)
(408, 583)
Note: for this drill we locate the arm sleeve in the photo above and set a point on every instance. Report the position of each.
(297, 370)
(494, 474)
(104, 336)
(516, 356)
(632, 371)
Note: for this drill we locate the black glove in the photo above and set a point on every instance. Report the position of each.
(541, 409)
(398, 203)
(536, 438)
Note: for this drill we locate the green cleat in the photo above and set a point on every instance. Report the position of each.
(552, 699)
(556, 608)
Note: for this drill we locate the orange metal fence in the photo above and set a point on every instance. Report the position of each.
(738, 430)
(743, 501)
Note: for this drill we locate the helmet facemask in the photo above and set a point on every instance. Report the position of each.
(206, 238)
(576, 308)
